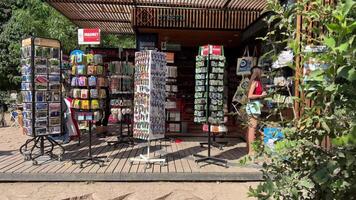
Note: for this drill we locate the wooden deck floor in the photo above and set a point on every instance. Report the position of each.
(180, 163)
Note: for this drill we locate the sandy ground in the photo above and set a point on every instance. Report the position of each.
(125, 191)
(113, 191)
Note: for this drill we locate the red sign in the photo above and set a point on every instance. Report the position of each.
(211, 49)
(89, 36)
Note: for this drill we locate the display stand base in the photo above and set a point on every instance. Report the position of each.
(218, 145)
(122, 140)
(91, 160)
(147, 159)
(40, 152)
(210, 160)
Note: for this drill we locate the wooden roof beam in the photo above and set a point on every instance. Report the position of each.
(101, 20)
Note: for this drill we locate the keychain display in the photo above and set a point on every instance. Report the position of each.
(216, 64)
(150, 98)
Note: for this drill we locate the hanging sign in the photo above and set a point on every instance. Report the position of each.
(147, 41)
(170, 57)
(89, 36)
(165, 46)
(211, 49)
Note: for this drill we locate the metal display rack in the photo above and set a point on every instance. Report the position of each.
(209, 159)
(149, 98)
(38, 54)
(90, 159)
(122, 95)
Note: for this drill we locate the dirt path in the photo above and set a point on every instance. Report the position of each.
(124, 191)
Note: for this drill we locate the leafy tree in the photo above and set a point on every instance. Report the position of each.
(299, 167)
(23, 18)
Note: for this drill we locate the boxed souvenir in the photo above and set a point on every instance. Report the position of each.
(82, 81)
(54, 78)
(54, 62)
(54, 96)
(99, 70)
(26, 86)
(76, 93)
(54, 121)
(40, 96)
(102, 94)
(41, 106)
(97, 116)
(55, 86)
(41, 122)
(81, 70)
(95, 104)
(41, 114)
(89, 116)
(27, 96)
(27, 78)
(27, 106)
(98, 59)
(89, 58)
(76, 104)
(101, 82)
(26, 70)
(41, 69)
(41, 61)
(41, 131)
(74, 82)
(85, 105)
(55, 130)
(55, 53)
(84, 94)
(91, 69)
(27, 115)
(74, 69)
(54, 69)
(94, 93)
(92, 81)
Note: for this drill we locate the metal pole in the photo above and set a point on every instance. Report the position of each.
(208, 104)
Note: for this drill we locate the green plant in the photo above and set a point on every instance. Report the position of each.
(299, 167)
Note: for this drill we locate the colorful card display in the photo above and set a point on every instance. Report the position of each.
(215, 82)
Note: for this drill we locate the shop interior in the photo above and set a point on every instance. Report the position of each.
(104, 82)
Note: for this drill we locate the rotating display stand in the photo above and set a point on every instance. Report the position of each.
(42, 103)
(209, 103)
(149, 101)
(88, 84)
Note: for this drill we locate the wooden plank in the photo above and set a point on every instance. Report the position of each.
(186, 156)
(69, 166)
(133, 167)
(107, 152)
(118, 160)
(17, 162)
(101, 150)
(164, 168)
(127, 167)
(141, 166)
(96, 149)
(178, 161)
(124, 164)
(71, 155)
(111, 157)
(45, 166)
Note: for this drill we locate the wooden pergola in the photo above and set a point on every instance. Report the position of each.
(126, 16)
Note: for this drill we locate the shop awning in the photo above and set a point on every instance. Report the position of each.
(116, 16)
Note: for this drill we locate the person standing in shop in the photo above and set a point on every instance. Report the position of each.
(253, 108)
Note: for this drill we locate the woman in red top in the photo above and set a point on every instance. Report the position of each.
(255, 92)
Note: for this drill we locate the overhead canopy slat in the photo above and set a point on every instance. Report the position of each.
(116, 15)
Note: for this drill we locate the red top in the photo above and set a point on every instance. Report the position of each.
(258, 88)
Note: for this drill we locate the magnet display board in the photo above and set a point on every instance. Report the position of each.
(149, 97)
